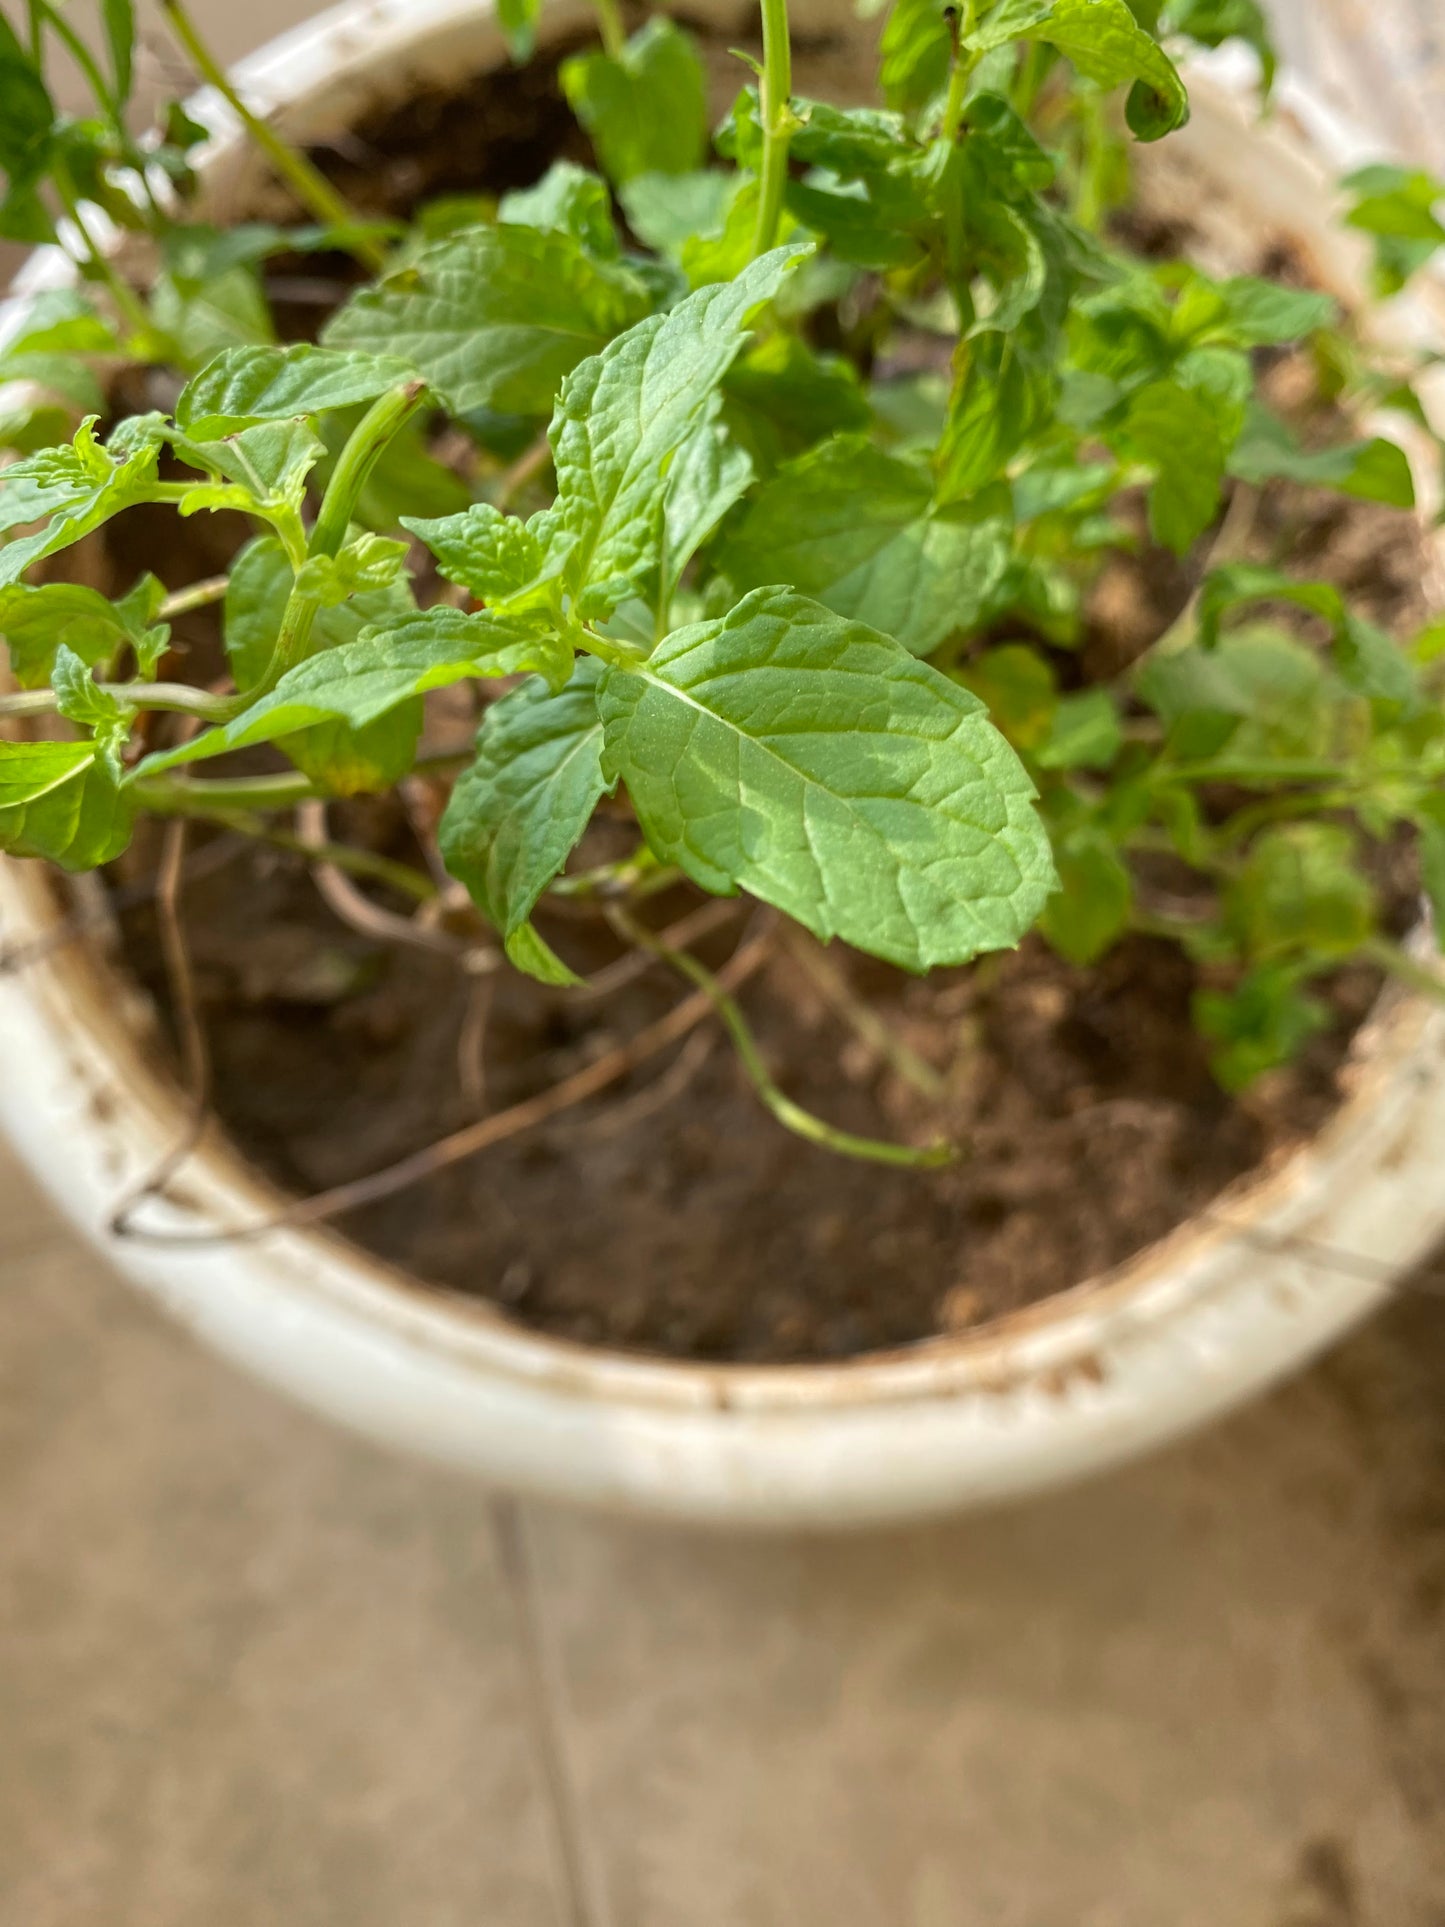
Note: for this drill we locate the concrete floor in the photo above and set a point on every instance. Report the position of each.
(252, 1671)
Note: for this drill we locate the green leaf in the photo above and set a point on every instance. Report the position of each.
(365, 564)
(855, 143)
(1368, 660)
(1263, 1023)
(1301, 893)
(999, 398)
(28, 427)
(1432, 870)
(259, 583)
(646, 110)
(1052, 486)
(1212, 22)
(36, 620)
(1373, 471)
(1429, 646)
(854, 230)
(1397, 207)
(781, 396)
(64, 375)
(1373, 663)
(247, 385)
(73, 490)
(1106, 44)
(496, 556)
(665, 211)
(813, 762)
(208, 296)
(137, 610)
(24, 216)
(1247, 312)
(1085, 733)
(517, 813)
(341, 760)
(567, 200)
(79, 700)
(27, 115)
(915, 53)
(59, 321)
(118, 19)
(494, 317)
(1018, 688)
(59, 801)
(358, 683)
(1260, 696)
(857, 529)
(623, 415)
(1180, 436)
(723, 255)
(31, 770)
(267, 464)
(709, 474)
(1090, 911)
(518, 20)
(32, 489)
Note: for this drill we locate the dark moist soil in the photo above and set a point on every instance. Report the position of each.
(673, 1215)
(685, 1220)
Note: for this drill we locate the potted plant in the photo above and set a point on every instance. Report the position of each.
(627, 570)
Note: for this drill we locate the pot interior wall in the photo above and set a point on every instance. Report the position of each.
(673, 1216)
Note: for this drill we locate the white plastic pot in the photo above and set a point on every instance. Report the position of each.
(1278, 1269)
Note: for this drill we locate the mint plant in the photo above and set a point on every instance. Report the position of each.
(78, 179)
(786, 483)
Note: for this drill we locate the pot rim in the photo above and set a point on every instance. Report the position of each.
(1192, 1302)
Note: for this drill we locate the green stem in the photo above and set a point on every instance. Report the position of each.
(775, 97)
(173, 492)
(357, 460)
(176, 697)
(609, 25)
(243, 795)
(200, 595)
(310, 185)
(617, 655)
(803, 1123)
(953, 106)
(631, 876)
(1283, 771)
(353, 469)
(1150, 923)
(1034, 68)
(962, 71)
(1408, 970)
(28, 702)
(1089, 190)
(1246, 823)
(127, 301)
(79, 53)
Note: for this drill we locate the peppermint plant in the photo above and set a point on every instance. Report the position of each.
(781, 465)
